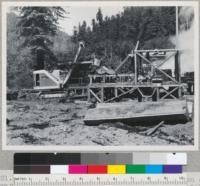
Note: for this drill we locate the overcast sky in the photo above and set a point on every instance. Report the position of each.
(79, 14)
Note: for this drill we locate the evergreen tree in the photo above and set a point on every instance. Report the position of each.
(99, 17)
(93, 25)
(75, 35)
(82, 31)
(36, 25)
(114, 37)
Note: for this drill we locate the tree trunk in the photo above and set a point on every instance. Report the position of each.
(40, 55)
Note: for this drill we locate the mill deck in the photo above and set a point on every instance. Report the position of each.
(133, 112)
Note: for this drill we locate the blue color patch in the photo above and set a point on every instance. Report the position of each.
(154, 169)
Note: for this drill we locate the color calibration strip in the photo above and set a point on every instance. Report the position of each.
(99, 169)
(100, 158)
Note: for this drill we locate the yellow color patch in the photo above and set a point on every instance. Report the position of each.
(116, 169)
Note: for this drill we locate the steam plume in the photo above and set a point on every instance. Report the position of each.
(185, 40)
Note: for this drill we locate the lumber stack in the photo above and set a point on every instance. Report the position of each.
(172, 111)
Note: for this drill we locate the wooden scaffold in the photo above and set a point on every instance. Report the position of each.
(149, 80)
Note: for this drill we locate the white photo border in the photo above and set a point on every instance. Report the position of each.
(62, 148)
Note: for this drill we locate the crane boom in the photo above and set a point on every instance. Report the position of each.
(81, 45)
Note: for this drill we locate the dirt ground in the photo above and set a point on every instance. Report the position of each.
(54, 122)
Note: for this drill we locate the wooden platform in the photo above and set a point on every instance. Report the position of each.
(169, 111)
(132, 85)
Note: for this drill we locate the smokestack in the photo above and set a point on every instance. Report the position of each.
(177, 29)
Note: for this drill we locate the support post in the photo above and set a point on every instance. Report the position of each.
(104, 78)
(177, 68)
(102, 94)
(157, 94)
(179, 92)
(116, 92)
(135, 68)
(89, 97)
(90, 80)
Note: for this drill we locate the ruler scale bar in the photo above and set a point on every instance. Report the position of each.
(110, 180)
(185, 179)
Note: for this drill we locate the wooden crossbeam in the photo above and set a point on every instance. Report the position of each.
(166, 59)
(95, 95)
(121, 90)
(156, 67)
(141, 93)
(169, 93)
(132, 89)
(130, 55)
(136, 46)
(159, 50)
(122, 63)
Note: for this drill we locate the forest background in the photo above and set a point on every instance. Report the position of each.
(110, 39)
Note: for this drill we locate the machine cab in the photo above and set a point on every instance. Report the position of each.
(45, 80)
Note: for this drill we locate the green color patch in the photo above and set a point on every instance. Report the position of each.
(135, 169)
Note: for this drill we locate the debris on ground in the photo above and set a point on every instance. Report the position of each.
(49, 122)
(154, 129)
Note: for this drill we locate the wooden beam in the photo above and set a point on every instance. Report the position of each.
(169, 93)
(166, 59)
(154, 129)
(136, 46)
(129, 85)
(121, 90)
(157, 93)
(89, 97)
(116, 92)
(178, 67)
(102, 94)
(98, 99)
(90, 79)
(157, 68)
(104, 79)
(159, 50)
(179, 92)
(135, 61)
(141, 93)
(132, 89)
(122, 63)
